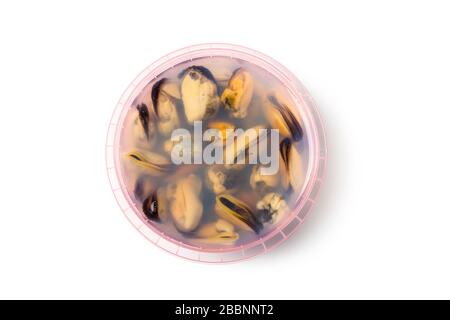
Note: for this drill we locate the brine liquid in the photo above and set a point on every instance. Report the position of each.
(222, 68)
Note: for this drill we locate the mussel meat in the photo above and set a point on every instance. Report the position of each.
(143, 127)
(237, 212)
(272, 208)
(238, 145)
(219, 232)
(219, 179)
(281, 117)
(291, 165)
(153, 164)
(238, 94)
(167, 87)
(199, 93)
(185, 205)
(165, 106)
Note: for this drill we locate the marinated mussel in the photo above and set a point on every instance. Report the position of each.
(165, 106)
(237, 212)
(291, 166)
(153, 164)
(143, 127)
(219, 232)
(281, 117)
(199, 93)
(237, 149)
(271, 208)
(219, 179)
(186, 206)
(237, 95)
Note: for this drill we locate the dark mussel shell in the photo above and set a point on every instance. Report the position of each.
(155, 93)
(144, 118)
(289, 118)
(150, 207)
(204, 71)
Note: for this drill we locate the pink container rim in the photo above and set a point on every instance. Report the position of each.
(304, 202)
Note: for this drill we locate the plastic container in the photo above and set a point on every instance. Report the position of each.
(313, 146)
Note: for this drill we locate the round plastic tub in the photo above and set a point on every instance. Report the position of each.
(179, 226)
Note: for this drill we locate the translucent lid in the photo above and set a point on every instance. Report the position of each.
(216, 153)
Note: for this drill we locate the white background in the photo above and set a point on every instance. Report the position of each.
(380, 72)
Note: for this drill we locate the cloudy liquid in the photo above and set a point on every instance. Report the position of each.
(222, 68)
